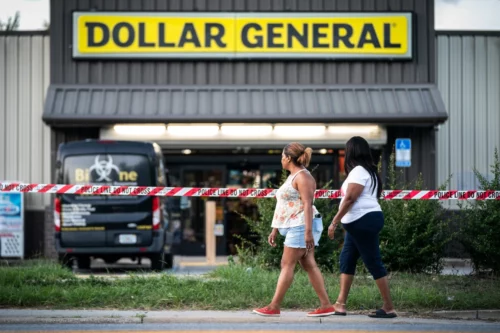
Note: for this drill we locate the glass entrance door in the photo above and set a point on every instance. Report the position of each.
(188, 213)
(241, 176)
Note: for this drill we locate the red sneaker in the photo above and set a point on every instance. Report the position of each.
(322, 312)
(267, 312)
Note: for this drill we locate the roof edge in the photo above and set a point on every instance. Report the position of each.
(436, 117)
(25, 33)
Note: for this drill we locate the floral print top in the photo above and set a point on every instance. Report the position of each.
(289, 210)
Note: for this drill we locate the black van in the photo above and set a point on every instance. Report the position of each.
(111, 227)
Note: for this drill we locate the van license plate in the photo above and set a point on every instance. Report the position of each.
(127, 239)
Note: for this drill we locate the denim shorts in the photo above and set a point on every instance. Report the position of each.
(295, 236)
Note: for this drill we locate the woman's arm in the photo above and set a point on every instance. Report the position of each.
(306, 187)
(272, 237)
(352, 194)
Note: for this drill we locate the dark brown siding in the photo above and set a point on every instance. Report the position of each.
(423, 156)
(65, 70)
(34, 233)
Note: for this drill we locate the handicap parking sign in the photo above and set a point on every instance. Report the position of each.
(403, 153)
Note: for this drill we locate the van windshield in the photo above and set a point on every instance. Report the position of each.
(107, 169)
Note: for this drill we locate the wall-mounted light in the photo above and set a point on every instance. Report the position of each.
(149, 130)
(195, 130)
(323, 151)
(293, 131)
(352, 129)
(246, 130)
(186, 151)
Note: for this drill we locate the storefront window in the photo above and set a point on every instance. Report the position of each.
(254, 171)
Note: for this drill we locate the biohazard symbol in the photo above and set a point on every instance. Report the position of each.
(104, 168)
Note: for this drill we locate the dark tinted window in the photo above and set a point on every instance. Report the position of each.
(107, 169)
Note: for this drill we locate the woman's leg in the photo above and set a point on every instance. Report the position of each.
(365, 234)
(348, 261)
(383, 287)
(288, 263)
(308, 263)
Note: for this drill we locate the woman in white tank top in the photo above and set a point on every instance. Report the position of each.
(297, 219)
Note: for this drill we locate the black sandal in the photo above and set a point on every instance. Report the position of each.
(382, 314)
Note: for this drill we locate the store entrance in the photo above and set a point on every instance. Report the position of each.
(187, 214)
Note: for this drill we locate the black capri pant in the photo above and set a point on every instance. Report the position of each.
(361, 240)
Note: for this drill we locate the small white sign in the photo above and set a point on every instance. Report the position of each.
(11, 244)
(219, 229)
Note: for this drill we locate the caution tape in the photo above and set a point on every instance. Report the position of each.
(231, 192)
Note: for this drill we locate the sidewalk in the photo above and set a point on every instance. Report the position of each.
(115, 316)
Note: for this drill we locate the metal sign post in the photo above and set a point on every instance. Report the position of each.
(210, 216)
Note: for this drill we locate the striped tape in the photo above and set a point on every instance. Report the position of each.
(231, 192)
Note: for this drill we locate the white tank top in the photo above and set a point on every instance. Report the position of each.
(289, 211)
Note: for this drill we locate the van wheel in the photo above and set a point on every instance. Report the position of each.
(66, 261)
(83, 262)
(158, 261)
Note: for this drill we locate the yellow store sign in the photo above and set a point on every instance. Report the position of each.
(242, 35)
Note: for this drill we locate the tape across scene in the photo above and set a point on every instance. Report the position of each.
(232, 192)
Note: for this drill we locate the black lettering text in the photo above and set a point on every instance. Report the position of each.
(368, 36)
(244, 36)
(91, 38)
(344, 37)
(189, 35)
(387, 38)
(130, 32)
(142, 36)
(301, 38)
(317, 35)
(216, 36)
(272, 34)
(162, 42)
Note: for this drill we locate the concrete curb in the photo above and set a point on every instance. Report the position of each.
(289, 317)
(476, 314)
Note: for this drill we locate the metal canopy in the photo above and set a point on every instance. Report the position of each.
(97, 105)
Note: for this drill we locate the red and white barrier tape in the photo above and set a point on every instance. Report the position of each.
(231, 192)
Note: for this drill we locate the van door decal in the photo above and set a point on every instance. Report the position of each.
(103, 168)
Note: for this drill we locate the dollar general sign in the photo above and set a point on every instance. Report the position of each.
(241, 35)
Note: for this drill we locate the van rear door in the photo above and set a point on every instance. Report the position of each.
(106, 221)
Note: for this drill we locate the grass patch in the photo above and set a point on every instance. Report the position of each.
(230, 288)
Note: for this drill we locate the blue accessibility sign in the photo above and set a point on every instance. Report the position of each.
(403, 153)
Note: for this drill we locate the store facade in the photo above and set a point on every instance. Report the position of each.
(222, 86)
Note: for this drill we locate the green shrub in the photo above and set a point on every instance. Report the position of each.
(263, 255)
(480, 226)
(416, 232)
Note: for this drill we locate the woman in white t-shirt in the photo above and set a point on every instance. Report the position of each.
(362, 219)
